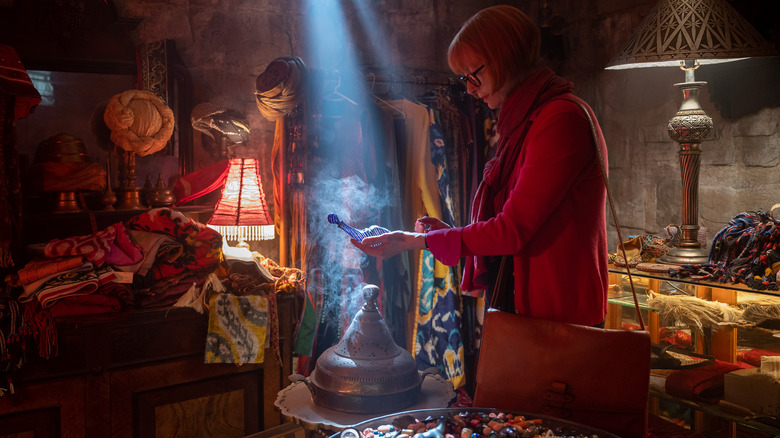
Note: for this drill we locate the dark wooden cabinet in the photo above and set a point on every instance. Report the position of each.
(143, 375)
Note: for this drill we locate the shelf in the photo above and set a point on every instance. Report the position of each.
(627, 299)
(715, 285)
(761, 424)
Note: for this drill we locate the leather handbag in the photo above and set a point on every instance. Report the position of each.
(593, 376)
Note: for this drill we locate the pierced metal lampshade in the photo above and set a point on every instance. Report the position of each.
(707, 31)
(688, 33)
(241, 212)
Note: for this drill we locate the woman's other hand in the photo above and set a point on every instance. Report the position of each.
(428, 223)
(390, 244)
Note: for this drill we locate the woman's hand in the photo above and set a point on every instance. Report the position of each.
(428, 223)
(390, 244)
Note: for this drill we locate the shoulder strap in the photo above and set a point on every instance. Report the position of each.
(597, 143)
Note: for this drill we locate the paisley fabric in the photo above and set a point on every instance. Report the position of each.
(237, 329)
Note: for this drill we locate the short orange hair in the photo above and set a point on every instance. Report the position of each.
(501, 37)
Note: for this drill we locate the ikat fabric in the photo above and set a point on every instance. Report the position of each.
(237, 329)
(438, 341)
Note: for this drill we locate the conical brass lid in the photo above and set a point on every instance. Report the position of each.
(366, 361)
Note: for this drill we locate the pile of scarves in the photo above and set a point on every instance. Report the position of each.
(149, 261)
(746, 251)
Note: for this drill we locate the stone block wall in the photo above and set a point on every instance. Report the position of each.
(227, 43)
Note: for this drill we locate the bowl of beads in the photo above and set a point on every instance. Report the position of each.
(469, 423)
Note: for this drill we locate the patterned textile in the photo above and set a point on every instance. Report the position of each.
(37, 269)
(167, 291)
(438, 340)
(202, 246)
(30, 290)
(73, 284)
(152, 245)
(745, 251)
(111, 245)
(237, 329)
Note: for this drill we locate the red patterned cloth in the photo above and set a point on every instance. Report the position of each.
(753, 356)
(201, 246)
(110, 245)
(704, 384)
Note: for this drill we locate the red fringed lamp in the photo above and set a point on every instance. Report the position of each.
(241, 213)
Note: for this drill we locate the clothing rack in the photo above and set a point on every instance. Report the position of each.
(388, 78)
(439, 80)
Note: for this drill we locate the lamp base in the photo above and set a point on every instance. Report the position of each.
(685, 256)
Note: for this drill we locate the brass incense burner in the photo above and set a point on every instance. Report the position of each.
(366, 371)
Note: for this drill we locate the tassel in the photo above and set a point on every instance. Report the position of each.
(6, 260)
(189, 298)
(758, 313)
(692, 312)
(43, 328)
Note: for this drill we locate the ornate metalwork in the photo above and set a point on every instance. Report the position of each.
(693, 29)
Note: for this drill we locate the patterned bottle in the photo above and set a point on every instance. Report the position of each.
(359, 235)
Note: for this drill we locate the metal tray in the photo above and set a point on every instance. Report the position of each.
(569, 427)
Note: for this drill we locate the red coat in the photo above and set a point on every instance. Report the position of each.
(554, 219)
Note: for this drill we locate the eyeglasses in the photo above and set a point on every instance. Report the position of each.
(472, 77)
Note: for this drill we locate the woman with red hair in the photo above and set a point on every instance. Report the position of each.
(542, 198)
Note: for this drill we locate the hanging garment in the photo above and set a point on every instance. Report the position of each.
(437, 301)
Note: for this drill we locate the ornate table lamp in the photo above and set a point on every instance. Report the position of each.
(241, 212)
(688, 33)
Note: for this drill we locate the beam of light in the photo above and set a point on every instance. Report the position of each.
(332, 52)
(372, 28)
(336, 183)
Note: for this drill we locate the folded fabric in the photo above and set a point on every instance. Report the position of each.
(36, 269)
(149, 243)
(201, 245)
(72, 284)
(237, 329)
(704, 384)
(167, 291)
(122, 249)
(110, 245)
(30, 290)
(753, 356)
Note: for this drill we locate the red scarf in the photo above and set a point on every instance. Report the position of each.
(514, 120)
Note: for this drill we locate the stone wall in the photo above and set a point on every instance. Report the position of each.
(227, 43)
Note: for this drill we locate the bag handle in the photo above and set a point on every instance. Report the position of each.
(597, 143)
(503, 275)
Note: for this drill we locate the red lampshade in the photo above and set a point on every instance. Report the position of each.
(241, 212)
